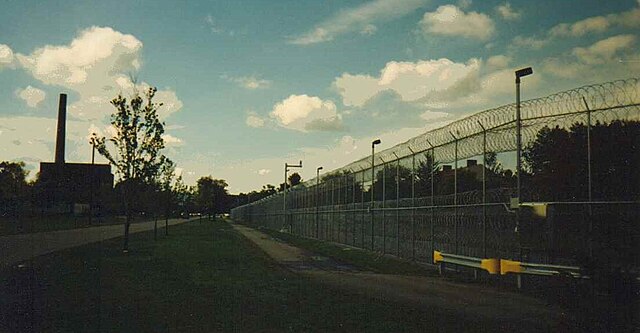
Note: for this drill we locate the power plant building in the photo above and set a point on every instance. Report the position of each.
(72, 187)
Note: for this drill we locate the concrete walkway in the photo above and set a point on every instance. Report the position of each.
(17, 248)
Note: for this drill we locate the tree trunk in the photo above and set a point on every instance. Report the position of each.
(126, 233)
(127, 212)
(155, 227)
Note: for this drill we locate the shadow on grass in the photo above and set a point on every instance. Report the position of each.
(204, 277)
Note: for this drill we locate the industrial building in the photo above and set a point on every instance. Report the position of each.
(72, 187)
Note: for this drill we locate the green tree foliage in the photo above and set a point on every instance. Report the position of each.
(212, 196)
(557, 162)
(136, 147)
(13, 187)
(294, 179)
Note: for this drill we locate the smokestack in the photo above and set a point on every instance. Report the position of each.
(60, 135)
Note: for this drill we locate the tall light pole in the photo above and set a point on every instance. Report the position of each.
(284, 189)
(317, 197)
(373, 152)
(519, 73)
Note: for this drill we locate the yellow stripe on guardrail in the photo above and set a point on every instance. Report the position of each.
(437, 257)
(491, 265)
(510, 266)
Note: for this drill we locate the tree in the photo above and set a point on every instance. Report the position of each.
(13, 187)
(557, 161)
(212, 196)
(165, 177)
(136, 146)
(294, 179)
(425, 169)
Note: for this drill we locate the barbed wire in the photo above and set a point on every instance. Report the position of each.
(616, 100)
(605, 102)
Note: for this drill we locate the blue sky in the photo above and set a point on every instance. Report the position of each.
(249, 85)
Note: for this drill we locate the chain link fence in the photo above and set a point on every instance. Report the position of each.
(421, 195)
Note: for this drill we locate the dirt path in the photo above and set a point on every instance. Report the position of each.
(17, 248)
(456, 299)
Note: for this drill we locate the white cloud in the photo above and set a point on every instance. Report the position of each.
(307, 113)
(263, 172)
(253, 120)
(357, 19)
(213, 26)
(6, 56)
(507, 12)
(498, 61)
(96, 64)
(411, 80)
(170, 140)
(530, 42)
(589, 25)
(434, 115)
(248, 82)
(369, 30)
(32, 96)
(601, 60)
(449, 20)
(92, 68)
(604, 50)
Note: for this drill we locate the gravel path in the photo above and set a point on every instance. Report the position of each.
(17, 248)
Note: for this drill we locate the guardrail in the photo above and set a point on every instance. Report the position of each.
(503, 266)
(510, 266)
(490, 265)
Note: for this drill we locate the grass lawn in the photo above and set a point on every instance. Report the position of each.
(204, 277)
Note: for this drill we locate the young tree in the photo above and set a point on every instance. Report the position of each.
(136, 146)
(165, 177)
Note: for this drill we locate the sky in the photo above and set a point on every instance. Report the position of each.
(248, 85)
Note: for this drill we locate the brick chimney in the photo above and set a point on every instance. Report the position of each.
(62, 126)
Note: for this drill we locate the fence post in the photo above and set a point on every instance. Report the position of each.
(455, 194)
(363, 210)
(353, 202)
(333, 209)
(432, 227)
(589, 176)
(397, 205)
(413, 204)
(384, 212)
(345, 207)
(484, 190)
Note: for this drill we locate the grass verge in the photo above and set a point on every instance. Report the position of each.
(362, 259)
(204, 277)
